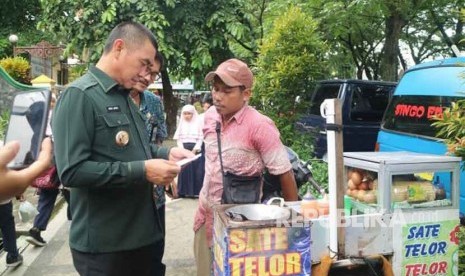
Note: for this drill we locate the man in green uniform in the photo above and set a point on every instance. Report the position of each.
(103, 154)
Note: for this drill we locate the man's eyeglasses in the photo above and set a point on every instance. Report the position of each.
(145, 65)
(155, 76)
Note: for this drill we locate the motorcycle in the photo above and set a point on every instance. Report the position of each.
(302, 174)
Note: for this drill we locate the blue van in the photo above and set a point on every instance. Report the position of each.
(423, 92)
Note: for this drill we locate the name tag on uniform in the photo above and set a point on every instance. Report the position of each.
(113, 108)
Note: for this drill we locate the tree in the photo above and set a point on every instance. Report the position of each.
(444, 28)
(395, 20)
(352, 29)
(20, 18)
(190, 46)
(371, 32)
(429, 20)
(292, 56)
(71, 21)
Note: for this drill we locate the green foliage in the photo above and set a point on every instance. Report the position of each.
(320, 174)
(451, 127)
(18, 68)
(20, 17)
(354, 32)
(98, 16)
(5, 48)
(302, 145)
(461, 236)
(291, 58)
(75, 71)
(4, 117)
(193, 35)
(360, 32)
(27, 37)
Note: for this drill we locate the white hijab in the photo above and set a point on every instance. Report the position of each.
(190, 130)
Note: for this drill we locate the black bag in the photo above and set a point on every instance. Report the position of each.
(238, 189)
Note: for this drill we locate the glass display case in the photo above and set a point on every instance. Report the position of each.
(385, 181)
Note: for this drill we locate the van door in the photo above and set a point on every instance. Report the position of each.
(363, 109)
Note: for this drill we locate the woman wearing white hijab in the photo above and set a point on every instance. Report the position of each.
(189, 135)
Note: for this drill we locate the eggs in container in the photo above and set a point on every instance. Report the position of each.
(369, 197)
(351, 185)
(362, 185)
(356, 177)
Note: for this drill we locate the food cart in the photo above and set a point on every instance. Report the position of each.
(417, 221)
(267, 240)
(392, 204)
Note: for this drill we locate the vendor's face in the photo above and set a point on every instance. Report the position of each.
(135, 62)
(228, 100)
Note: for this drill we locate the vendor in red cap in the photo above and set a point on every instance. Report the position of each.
(249, 143)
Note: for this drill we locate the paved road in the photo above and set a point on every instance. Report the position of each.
(55, 258)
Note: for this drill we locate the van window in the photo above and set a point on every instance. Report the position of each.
(413, 114)
(322, 93)
(369, 102)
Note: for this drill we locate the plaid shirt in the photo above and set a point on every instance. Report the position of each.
(152, 109)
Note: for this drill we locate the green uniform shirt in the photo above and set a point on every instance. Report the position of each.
(111, 200)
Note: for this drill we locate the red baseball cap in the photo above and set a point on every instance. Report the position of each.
(233, 72)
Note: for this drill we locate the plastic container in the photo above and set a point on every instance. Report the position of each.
(309, 207)
(347, 205)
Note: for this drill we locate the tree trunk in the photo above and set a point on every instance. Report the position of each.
(170, 102)
(394, 25)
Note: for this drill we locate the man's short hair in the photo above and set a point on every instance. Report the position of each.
(132, 33)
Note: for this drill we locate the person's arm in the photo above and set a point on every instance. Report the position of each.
(177, 154)
(267, 141)
(13, 183)
(200, 124)
(289, 186)
(198, 146)
(161, 172)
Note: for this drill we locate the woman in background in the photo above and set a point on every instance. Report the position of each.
(189, 135)
(199, 164)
